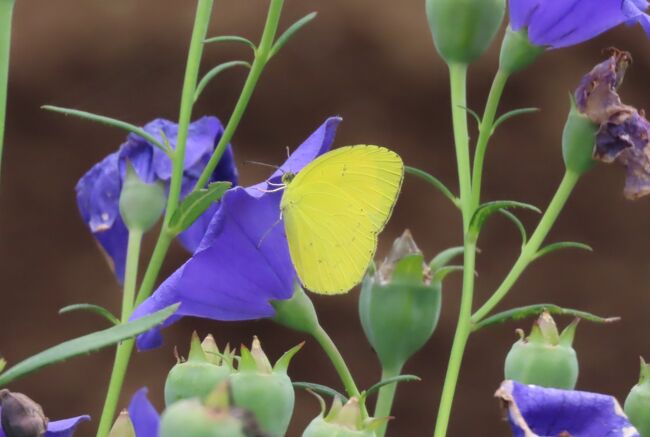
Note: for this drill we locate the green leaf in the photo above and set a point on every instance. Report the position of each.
(322, 389)
(510, 114)
(522, 229)
(472, 113)
(3, 363)
(444, 257)
(85, 344)
(534, 310)
(93, 309)
(295, 27)
(214, 73)
(440, 274)
(195, 204)
(433, 181)
(487, 209)
(393, 380)
(231, 38)
(561, 245)
(128, 127)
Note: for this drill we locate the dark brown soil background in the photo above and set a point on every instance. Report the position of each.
(373, 63)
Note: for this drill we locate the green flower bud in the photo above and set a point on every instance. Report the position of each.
(399, 304)
(21, 416)
(578, 141)
(122, 426)
(141, 204)
(190, 418)
(463, 29)
(264, 390)
(342, 421)
(297, 313)
(637, 403)
(199, 375)
(517, 52)
(545, 358)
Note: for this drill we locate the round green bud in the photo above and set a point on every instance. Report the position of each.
(399, 305)
(517, 52)
(544, 358)
(263, 390)
(342, 421)
(189, 418)
(141, 204)
(463, 29)
(194, 378)
(578, 141)
(319, 427)
(637, 403)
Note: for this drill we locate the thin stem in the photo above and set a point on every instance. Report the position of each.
(6, 12)
(458, 83)
(485, 132)
(337, 360)
(385, 399)
(530, 249)
(125, 348)
(463, 329)
(262, 56)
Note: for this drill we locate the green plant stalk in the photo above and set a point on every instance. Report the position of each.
(125, 348)
(458, 84)
(6, 13)
(529, 251)
(463, 330)
(385, 398)
(332, 352)
(262, 56)
(485, 132)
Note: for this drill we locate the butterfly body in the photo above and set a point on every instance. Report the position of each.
(333, 210)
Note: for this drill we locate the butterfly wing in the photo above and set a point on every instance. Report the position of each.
(334, 209)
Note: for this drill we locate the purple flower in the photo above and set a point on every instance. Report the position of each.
(542, 412)
(143, 415)
(243, 261)
(98, 191)
(562, 23)
(59, 428)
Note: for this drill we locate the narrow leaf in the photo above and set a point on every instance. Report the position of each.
(562, 245)
(3, 363)
(85, 344)
(231, 38)
(522, 229)
(510, 114)
(286, 36)
(322, 389)
(472, 113)
(433, 181)
(487, 209)
(534, 310)
(128, 127)
(214, 73)
(93, 309)
(393, 380)
(195, 204)
(444, 257)
(443, 272)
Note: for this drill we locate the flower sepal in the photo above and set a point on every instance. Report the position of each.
(637, 403)
(517, 52)
(297, 313)
(342, 421)
(578, 141)
(141, 203)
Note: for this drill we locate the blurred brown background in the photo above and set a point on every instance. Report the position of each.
(373, 63)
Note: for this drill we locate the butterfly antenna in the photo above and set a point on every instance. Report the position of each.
(268, 231)
(263, 164)
(288, 152)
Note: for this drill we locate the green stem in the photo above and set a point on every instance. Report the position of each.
(6, 12)
(530, 249)
(385, 399)
(458, 83)
(158, 255)
(262, 56)
(485, 132)
(337, 360)
(463, 329)
(125, 348)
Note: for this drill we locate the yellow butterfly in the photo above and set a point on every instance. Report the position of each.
(333, 210)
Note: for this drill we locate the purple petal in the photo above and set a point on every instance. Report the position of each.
(243, 261)
(143, 415)
(562, 23)
(65, 427)
(537, 411)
